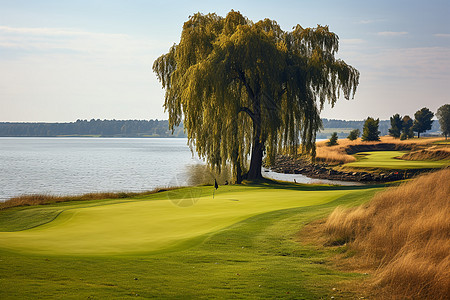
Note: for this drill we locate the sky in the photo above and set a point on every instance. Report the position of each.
(66, 60)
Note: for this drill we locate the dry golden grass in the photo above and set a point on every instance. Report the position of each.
(433, 153)
(334, 154)
(39, 199)
(403, 233)
(339, 154)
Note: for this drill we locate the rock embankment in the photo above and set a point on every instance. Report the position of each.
(289, 165)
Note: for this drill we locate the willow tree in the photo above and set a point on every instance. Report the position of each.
(245, 89)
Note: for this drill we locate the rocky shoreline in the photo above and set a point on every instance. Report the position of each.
(288, 165)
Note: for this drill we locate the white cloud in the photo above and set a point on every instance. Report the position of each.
(370, 21)
(396, 81)
(65, 74)
(426, 62)
(444, 35)
(352, 41)
(42, 31)
(72, 41)
(392, 33)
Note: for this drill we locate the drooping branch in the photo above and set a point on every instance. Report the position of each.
(248, 111)
(281, 80)
(251, 93)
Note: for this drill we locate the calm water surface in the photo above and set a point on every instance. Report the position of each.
(71, 166)
(64, 166)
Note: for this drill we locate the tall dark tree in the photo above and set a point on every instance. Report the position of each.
(443, 115)
(246, 88)
(422, 121)
(370, 130)
(407, 131)
(396, 126)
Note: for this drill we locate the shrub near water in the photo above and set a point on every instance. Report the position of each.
(405, 234)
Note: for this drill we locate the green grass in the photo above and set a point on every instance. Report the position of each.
(388, 160)
(443, 142)
(241, 244)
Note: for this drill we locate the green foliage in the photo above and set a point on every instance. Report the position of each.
(333, 139)
(370, 130)
(443, 115)
(407, 131)
(354, 134)
(245, 88)
(396, 126)
(422, 121)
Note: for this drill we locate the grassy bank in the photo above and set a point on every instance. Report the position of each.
(391, 160)
(242, 243)
(342, 153)
(402, 235)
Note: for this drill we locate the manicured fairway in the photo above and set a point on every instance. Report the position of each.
(388, 160)
(155, 224)
(244, 243)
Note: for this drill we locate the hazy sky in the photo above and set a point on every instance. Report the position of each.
(67, 60)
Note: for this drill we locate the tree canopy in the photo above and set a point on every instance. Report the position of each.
(422, 121)
(354, 134)
(248, 89)
(407, 131)
(333, 139)
(443, 115)
(370, 130)
(396, 126)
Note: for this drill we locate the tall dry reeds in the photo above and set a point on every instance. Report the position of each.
(333, 155)
(432, 153)
(403, 233)
(41, 199)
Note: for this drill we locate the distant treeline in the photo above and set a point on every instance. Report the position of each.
(151, 128)
(346, 126)
(103, 128)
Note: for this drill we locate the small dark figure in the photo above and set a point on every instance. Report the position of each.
(216, 186)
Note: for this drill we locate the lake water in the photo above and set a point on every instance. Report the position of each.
(71, 166)
(63, 166)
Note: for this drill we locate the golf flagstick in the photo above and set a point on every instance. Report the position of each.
(216, 186)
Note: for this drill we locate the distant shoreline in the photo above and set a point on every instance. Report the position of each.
(91, 136)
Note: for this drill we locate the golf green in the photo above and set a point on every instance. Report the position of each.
(167, 220)
(180, 244)
(389, 160)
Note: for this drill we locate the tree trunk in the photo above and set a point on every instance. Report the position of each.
(238, 173)
(254, 173)
(418, 134)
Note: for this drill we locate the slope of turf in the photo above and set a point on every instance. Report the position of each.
(252, 254)
(388, 160)
(155, 224)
